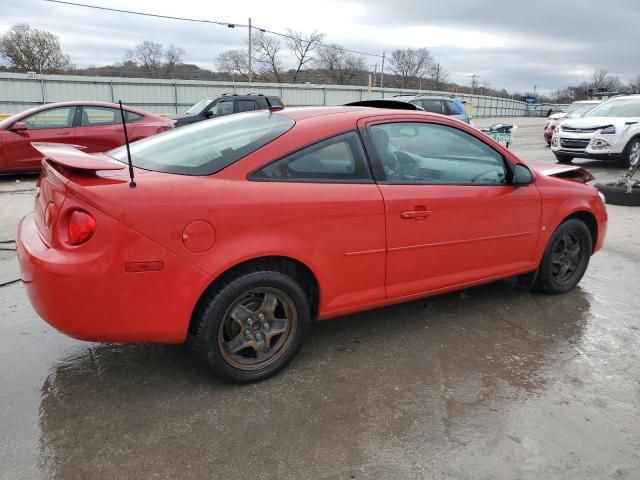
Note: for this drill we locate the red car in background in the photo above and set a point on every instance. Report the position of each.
(243, 229)
(97, 126)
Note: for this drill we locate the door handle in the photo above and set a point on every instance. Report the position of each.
(415, 214)
(63, 134)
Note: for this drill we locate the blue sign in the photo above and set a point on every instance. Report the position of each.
(530, 99)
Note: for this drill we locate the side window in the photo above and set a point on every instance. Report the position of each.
(132, 117)
(340, 158)
(246, 105)
(433, 106)
(53, 118)
(92, 116)
(224, 107)
(436, 154)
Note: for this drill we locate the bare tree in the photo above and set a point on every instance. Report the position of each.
(411, 65)
(30, 49)
(154, 59)
(303, 47)
(339, 65)
(602, 79)
(266, 49)
(634, 84)
(438, 74)
(234, 62)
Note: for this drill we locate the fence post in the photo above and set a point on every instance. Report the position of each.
(113, 97)
(44, 90)
(175, 97)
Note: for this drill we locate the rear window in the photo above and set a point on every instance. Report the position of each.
(206, 147)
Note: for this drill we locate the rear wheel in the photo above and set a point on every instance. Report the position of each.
(563, 158)
(251, 326)
(566, 257)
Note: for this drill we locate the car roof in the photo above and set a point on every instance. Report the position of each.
(303, 113)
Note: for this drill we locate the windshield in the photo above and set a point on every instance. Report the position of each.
(623, 107)
(198, 107)
(581, 110)
(13, 118)
(206, 147)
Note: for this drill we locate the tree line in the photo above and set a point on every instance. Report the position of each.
(309, 59)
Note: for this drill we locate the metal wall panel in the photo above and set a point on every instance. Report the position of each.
(19, 92)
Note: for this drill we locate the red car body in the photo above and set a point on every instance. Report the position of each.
(96, 126)
(158, 247)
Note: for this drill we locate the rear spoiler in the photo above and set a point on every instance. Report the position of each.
(71, 156)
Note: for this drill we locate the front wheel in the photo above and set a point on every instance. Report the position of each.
(566, 257)
(631, 155)
(251, 326)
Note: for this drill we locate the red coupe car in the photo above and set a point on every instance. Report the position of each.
(244, 229)
(97, 126)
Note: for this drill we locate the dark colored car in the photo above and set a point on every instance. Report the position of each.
(213, 107)
(96, 126)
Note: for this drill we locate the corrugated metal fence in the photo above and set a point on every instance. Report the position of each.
(19, 92)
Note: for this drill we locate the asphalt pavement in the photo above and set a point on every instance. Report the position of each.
(493, 382)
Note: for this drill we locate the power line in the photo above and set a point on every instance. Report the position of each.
(201, 20)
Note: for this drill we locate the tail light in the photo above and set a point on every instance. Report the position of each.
(81, 227)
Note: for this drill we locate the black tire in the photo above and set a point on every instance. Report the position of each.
(617, 194)
(563, 158)
(626, 159)
(210, 338)
(550, 277)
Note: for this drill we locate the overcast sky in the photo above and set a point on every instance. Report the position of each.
(512, 44)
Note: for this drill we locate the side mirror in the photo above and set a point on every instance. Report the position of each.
(209, 113)
(522, 175)
(19, 126)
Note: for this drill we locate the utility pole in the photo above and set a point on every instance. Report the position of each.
(382, 72)
(474, 82)
(375, 74)
(535, 88)
(250, 53)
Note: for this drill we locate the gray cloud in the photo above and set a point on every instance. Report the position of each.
(510, 44)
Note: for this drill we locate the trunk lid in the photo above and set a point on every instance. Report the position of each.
(60, 164)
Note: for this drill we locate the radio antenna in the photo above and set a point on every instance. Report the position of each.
(132, 182)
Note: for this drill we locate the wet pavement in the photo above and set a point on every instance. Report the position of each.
(492, 382)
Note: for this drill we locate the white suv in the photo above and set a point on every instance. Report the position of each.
(610, 130)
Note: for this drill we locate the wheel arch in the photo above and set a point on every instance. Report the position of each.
(590, 221)
(292, 267)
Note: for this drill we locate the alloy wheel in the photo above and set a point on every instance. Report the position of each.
(257, 328)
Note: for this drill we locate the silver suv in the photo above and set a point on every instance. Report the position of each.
(442, 104)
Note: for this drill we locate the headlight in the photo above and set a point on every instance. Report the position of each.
(610, 130)
(558, 129)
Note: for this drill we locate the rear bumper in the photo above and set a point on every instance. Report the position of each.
(86, 293)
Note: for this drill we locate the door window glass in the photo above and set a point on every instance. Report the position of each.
(246, 105)
(337, 158)
(223, 108)
(53, 118)
(92, 116)
(436, 154)
(433, 106)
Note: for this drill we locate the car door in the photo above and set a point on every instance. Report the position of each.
(331, 199)
(99, 128)
(220, 108)
(51, 125)
(452, 217)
